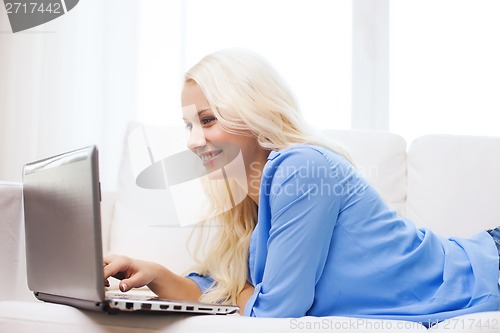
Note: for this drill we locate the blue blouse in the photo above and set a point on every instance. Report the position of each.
(326, 244)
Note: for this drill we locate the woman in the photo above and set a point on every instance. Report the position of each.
(312, 237)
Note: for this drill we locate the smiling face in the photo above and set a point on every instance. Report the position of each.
(210, 141)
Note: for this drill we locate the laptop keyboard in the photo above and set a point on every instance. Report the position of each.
(130, 296)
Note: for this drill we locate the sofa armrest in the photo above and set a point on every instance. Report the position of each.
(13, 283)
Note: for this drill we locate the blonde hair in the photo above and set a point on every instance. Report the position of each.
(247, 95)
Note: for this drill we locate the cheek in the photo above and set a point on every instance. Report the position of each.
(249, 149)
(216, 134)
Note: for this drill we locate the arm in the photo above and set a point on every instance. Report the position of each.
(244, 296)
(135, 273)
(296, 226)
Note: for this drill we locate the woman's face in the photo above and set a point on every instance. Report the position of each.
(208, 140)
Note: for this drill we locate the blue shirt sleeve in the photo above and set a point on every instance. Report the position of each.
(298, 207)
(204, 282)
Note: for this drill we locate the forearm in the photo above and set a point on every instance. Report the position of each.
(172, 286)
(244, 296)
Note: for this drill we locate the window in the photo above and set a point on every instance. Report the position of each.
(444, 67)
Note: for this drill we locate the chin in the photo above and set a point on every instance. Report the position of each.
(228, 164)
(215, 173)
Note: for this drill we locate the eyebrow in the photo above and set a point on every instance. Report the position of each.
(200, 112)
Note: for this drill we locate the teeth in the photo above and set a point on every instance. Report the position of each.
(206, 157)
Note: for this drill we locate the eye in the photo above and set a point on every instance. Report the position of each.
(188, 126)
(207, 120)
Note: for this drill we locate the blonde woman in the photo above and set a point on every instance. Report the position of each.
(312, 237)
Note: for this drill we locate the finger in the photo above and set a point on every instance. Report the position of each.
(116, 267)
(124, 286)
(135, 281)
(108, 259)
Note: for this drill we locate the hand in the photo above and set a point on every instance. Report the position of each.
(133, 273)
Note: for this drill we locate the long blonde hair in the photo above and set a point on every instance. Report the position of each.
(246, 94)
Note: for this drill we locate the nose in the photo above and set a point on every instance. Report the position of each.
(196, 138)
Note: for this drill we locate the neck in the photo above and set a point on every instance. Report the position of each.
(254, 177)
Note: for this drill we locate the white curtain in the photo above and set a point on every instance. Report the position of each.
(69, 83)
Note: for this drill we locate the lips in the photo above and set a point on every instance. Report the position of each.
(208, 157)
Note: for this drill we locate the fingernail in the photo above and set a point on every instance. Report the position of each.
(123, 287)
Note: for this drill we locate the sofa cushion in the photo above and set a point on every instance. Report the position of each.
(21, 317)
(471, 323)
(454, 183)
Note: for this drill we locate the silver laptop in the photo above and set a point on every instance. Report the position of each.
(64, 256)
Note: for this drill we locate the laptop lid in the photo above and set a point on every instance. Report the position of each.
(61, 197)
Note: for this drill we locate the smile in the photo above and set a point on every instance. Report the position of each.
(207, 158)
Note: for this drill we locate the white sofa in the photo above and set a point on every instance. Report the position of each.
(450, 184)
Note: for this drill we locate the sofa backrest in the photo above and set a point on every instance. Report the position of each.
(144, 224)
(454, 183)
(381, 158)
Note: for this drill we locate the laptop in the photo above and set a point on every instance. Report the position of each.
(61, 197)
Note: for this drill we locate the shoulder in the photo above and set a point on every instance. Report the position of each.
(306, 156)
(297, 174)
(306, 163)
